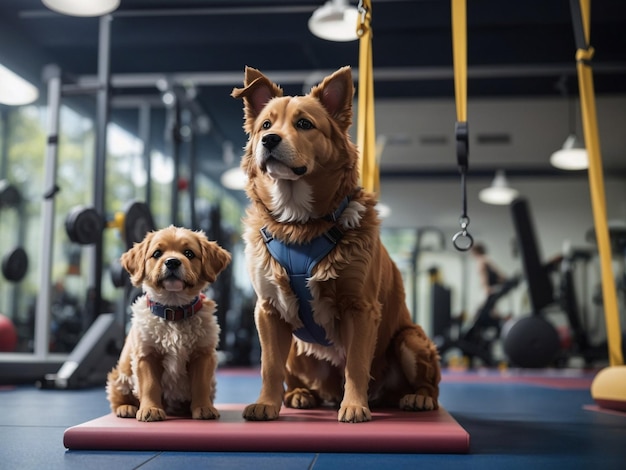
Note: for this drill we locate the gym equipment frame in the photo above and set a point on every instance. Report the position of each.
(16, 368)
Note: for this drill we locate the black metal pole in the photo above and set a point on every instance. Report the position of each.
(191, 189)
(176, 142)
(4, 149)
(52, 76)
(102, 119)
(145, 136)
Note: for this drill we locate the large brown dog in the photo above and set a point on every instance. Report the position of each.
(303, 185)
(167, 365)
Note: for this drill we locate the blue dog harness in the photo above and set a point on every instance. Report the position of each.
(299, 259)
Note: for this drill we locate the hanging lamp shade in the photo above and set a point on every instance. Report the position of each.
(499, 193)
(383, 210)
(14, 90)
(82, 7)
(336, 20)
(572, 156)
(234, 178)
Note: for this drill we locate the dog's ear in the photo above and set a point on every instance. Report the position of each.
(134, 260)
(251, 74)
(335, 93)
(257, 91)
(214, 260)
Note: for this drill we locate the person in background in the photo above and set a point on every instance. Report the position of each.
(495, 285)
(490, 277)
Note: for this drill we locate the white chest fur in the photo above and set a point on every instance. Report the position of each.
(175, 343)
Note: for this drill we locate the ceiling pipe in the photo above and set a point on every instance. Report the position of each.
(284, 77)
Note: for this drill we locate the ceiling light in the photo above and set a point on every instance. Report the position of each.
(499, 193)
(15, 90)
(234, 178)
(168, 98)
(335, 21)
(82, 7)
(383, 210)
(573, 156)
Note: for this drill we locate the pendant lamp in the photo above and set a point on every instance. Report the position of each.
(573, 155)
(336, 20)
(15, 90)
(82, 7)
(499, 193)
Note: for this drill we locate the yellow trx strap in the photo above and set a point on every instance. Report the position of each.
(584, 54)
(459, 51)
(366, 130)
(462, 240)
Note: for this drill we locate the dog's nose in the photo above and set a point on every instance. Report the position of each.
(172, 263)
(270, 141)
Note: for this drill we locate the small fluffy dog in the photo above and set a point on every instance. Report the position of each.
(168, 362)
(330, 312)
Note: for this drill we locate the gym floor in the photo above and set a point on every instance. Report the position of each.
(516, 420)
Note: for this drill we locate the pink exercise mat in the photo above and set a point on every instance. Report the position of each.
(295, 431)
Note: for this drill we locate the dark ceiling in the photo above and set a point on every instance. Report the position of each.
(515, 49)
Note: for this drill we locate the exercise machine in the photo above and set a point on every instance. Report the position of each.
(476, 342)
(533, 341)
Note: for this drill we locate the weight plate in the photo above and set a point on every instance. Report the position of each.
(84, 225)
(15, 264)
(137, 222)
(9, 195)
(119, 276)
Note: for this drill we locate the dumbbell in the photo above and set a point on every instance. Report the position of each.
(84, 224)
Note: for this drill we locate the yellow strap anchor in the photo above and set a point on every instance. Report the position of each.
(366, 129)
(462, 240)
(581, 19)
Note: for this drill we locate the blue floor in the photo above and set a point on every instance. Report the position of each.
(512, 425)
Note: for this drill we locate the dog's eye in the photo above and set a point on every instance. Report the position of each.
(304, 124)
(266, 124)
(189, 254)
(157, 254)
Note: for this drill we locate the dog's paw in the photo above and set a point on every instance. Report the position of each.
(126, 411)
(354, 414)
(301, 398)
(418, 402)
(205, 412)
(151, 414)
(260, 412)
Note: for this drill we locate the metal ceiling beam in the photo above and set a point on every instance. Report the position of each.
(146, 80)
(484, 172)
